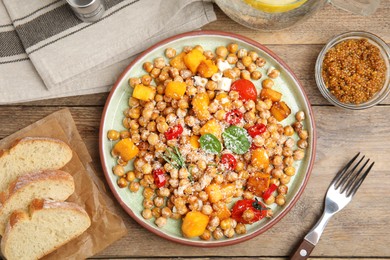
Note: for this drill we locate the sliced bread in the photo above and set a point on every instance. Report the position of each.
(49, 184)
(32, 154)
(49, 225)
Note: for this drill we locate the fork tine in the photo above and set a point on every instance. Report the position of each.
(343, 171)
(357, 184)
(352, 175)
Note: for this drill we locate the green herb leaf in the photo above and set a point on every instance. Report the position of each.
(174, 158)
(210, 144)
(236, 139)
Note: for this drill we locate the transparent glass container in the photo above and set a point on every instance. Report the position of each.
(270, 15)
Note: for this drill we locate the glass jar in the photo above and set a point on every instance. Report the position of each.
(270, 15)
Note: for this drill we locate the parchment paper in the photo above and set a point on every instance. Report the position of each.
(106, 225)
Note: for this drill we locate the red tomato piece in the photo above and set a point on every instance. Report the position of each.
(258, 209)
(229, 160)
(269, 191)
(245, 88)
(234, 117)
(257, 129)
(159, 177)
(173, 132)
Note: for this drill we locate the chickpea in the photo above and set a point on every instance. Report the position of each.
(260, 62)
(130, 176)
(122, 182)
(134, 186)
(232, 47)
(158, 201)
(246, 60)
(226, 224)
(229, 233)
(134, 81)
(203, 196)
(297, 126)
(270, 200)
(147, 214)
(113, 135)
(160, 222)
(221, 51)
(245, 74)
(280, 200)
(303, 134)
(267, 83)
(207, 209)
(148, 193)
(282, 189)
(255, 75)
(298, 155)
(206, 235)
(248, 215)
(251, 67)
(289, 160)
(209, 55)
(232, 58)
(273, 73)
(217, 233)
(242, 53)
(147, 203)
(146, 80)
(285, 179)
(288, 130)
(300, 116)
(289, 170)
(156, 212)
(166, 212)
(170, 53)
(118, 170)
(240, 229)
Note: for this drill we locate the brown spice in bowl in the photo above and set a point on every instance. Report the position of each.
(354, 71)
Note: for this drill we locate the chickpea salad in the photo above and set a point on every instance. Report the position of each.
(209, 140)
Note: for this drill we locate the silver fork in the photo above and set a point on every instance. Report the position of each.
(339, 194)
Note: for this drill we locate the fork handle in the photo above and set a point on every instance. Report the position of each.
(303, 251)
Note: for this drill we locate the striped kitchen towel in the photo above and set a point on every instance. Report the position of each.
(46, 52)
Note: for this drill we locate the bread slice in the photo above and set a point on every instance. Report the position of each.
(49, 225)
(32, 154)
(49, 184)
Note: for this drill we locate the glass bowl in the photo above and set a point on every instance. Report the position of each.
(385, 52)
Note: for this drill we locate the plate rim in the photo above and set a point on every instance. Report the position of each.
(197, 243)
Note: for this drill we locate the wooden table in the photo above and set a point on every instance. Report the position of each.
(361, 230)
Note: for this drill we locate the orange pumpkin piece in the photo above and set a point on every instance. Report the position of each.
(193, 59)
(280, 110)
(258, 183)
(211, 127)
(144, 93)
(194, 224)
(267, 93)
(178, 61)
(194, 141)
(214, 192)
(125, 149)
(260, 158)
(221, 210)
(175, 89)
(207, 68)
(200, 103)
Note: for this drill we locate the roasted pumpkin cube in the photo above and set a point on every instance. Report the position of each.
(200, 104)
(194, 141)
(207, 68)
(175, 89)
(193, 59)
(267, 93)
(212, 127)
(178, 61)
(125, 149)
(221, 210)
(214, 192)
(260, 158)
(144, 93)
(258, 183)
(280, 110)
(194, 224)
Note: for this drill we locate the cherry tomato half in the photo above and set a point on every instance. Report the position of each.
(241, 207)
(159, 177)
(229, 161)
(234, 117)
(245, 88)
(257, 129)
(173, 132)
